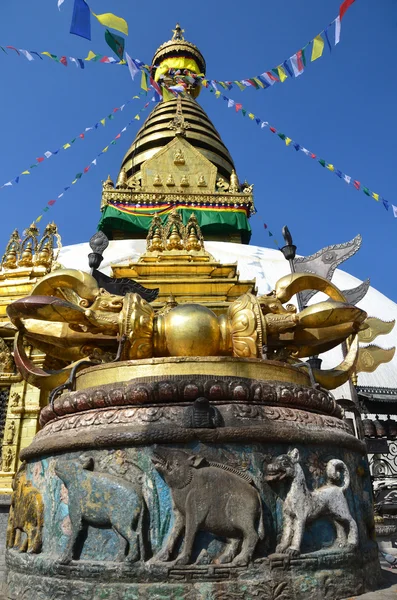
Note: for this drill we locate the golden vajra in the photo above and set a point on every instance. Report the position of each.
(68, 317)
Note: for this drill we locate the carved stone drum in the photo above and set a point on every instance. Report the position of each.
(187, 479)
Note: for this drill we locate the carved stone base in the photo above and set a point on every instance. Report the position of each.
(193, 487)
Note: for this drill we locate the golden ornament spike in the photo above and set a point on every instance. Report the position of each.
(178, 33)
(375, 327)
(370, 357)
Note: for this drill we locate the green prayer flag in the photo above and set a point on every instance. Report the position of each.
(3, 49)
(73, 141)
(115, 42)
(110, 117)
(270, 234)
(113, 142)
(322, 162)
(303, 55)
(244, 112)
(46, 208)
(32, 166)
(78, 176)
(366, 191)
(240, 85)
(282, 136)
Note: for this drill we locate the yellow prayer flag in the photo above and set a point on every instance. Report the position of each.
(282, 74)
(251, 116)
(167, 94)
(217, 94)
(259, 82)
(90, 55)
(137, 117)
(331, 167)
(25, 173)
(105, 149)
(318, 47)
(110, 20)
(74, 181)
(39, 219)
(288, 141)
(103, 121)
(144, 85)
(47, 54)
(122, 62)
(66, 146)
(375, 196)
(135, 97)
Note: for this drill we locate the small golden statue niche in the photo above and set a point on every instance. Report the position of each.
(195, 239)
(185, 181)
(45, 255)
(8, 457)
(10, 433)
(247, 188)
(157, 180)
(179, 159)
(154, 240)
(15, 400)
(29, 246)
(121, 183)
(174, 232)
(12, 252)
(170, 181)
(234, 187)
(136, 182)
(201, 182)
(108, 184)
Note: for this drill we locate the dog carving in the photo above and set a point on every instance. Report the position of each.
(302, 506)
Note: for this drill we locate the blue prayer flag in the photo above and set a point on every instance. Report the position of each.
(288, 68)
(81, 19)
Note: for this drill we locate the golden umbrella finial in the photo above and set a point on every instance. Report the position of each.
(178, 32)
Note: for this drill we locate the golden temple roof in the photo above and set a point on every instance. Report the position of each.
(158, 131)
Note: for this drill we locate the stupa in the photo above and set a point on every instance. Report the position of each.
(186, 450)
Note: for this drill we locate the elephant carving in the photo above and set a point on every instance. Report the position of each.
(26, 516)
(101, 500)
(212, 497)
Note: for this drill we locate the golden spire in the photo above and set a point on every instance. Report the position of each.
(108, 183)
(178, 33)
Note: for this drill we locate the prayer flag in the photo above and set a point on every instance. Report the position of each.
(338, 173)
(64, 61)
(93, 162)
(394, 210)
(327, 38)
(347, 178)
(66, 146)
(110, 20)
(337, 30)
(60, 2)
(375, 196)
(115, 42)
(240, 86)
(217, 94)
(273, 130)
(287, 68)
(385, 204)
(281, 73)
(251, 116)
(46, 208)
(264, 124)
(47, 154)
(39, 219)
(79, 175)
(282, 136)
(344, 6)
(25, 173)
(137, 117)
(26, 54)
(40, 159)
(243, 111)
(288, 141)
(356, 184)
(81, 19)
(32, 52)
(318, 47)
(167, 95)
(131, 66)
(297, 64)
(103, 121)
(322, 162)
(366, 191)
(52, 202)
(86, 169)
(258, 82)
(331, 167)
(12, 48)
(230, 103)
(238, 106)
(90, 55)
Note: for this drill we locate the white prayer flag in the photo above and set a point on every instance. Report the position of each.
(347, 178)
(131, 66)
(230, 103)
(26, 54)
(294, 63)
(394, 210)
(74, 60)
(264, 124)
(47, 154)
(60, 2)
(337, 30)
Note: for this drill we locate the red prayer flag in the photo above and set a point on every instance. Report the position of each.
(272, 129)
(115, 109)
(272, 77)
(86, 169)
(344, 6)
(299, 60)
(51, 202)
(117, 136)
(238, 106)
(81, 135)
(155, 85)
(356, 184)
(264, 225)
(40, 159)
(64, 61)
(104, 59)
(312, 156)
(12, 48)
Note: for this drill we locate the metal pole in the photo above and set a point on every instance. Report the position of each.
(289, 252)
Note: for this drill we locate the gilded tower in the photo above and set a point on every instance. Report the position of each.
(178, 161)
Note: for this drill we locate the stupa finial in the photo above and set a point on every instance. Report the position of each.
(178, 32)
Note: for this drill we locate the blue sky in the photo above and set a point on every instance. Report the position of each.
(343, 108)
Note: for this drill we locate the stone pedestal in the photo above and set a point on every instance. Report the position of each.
(192, 479)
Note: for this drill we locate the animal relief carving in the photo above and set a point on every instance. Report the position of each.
(101, 500)
(26, 518)
(209, 497)
(302, 506)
